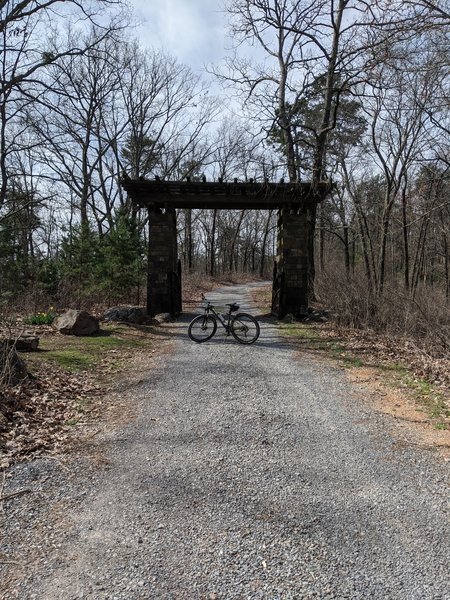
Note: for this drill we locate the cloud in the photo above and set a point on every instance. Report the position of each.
(193, 31)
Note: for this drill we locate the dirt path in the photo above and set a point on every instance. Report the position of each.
(248, 473)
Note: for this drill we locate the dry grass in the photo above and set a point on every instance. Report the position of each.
(423, 321)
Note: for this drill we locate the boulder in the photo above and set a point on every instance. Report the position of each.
(161, 318)
(27, 342)
(76, 322)
(23, 341)
(289, 318)
(317, 316)
(127, 314)
(13, 369)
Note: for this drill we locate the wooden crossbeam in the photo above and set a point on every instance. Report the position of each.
(185, 194)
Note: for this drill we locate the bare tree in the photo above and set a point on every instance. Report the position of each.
(26, 52)
(168, 110)
(69, 121)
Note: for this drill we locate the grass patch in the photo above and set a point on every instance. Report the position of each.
(301, 330)
(440, 426)
(353, 361)
(338, 352)
(77, 354)
(110, 342)
(72, 360)
(309, 337)
(429, 399)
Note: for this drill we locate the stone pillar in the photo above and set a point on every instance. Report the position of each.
(162, 263)
(290, 295)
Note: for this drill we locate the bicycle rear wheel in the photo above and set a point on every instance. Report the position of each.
(202, 328)
(245, 328)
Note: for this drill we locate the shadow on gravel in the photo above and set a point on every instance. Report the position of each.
(269, 338)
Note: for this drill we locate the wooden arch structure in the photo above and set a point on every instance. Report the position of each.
(294, 202)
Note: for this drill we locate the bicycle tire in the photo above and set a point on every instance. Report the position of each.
(245, 328)
(202, 328)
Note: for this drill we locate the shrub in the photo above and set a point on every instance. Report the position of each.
(424, 318)
(41, 318)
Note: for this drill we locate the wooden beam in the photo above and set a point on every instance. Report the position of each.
(155, 195)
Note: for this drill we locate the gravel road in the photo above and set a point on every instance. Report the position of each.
(249, 473)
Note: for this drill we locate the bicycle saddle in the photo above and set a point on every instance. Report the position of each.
(233, 307)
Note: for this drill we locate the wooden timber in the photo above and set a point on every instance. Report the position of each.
(157, 195)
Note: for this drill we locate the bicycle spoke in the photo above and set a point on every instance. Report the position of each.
(245, 328)
(202, 328)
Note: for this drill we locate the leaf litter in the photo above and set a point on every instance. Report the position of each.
(43, 416)
(38, 416)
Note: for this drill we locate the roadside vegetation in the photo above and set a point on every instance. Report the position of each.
(70, 389)
(403, 362)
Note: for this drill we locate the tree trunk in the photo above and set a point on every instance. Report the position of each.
(264, 242)
(405, 238)
(346, 250)
(235, 237)
(367, 261)
(328, 115)
(212, 257)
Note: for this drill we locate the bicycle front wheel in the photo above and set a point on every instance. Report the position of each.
(245, 328)
(202, 328)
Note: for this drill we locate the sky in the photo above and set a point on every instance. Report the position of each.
(193, 31)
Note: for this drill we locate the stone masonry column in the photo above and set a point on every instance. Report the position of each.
(162, 261)
(291, 273)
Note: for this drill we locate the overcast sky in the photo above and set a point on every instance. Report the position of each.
(194, 31)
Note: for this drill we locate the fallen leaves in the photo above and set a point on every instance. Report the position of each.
(47, 414)
(38, 416)
(375, 348)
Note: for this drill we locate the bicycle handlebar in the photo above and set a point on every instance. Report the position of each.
(206, 300)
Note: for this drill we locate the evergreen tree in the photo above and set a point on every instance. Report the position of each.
(306, 117)
(81, 265)
(106, 268)
(17, 254)
(124, 259)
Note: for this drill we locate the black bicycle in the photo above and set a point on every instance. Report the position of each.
(243, 327)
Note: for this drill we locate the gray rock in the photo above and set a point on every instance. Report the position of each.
(23, 342)
(27, 342)
(161, 318)
(127, 314)
(76, 322)
(289, 318)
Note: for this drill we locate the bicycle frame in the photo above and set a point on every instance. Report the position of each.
(209, 308)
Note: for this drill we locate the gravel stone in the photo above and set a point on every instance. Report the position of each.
(249, 473)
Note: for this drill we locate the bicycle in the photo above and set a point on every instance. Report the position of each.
(243, 327)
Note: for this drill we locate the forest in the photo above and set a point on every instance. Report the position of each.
(352, 92)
